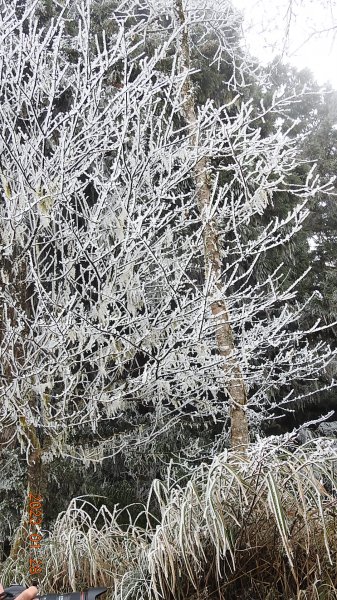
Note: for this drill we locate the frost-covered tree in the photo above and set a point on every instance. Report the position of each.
(126, 297)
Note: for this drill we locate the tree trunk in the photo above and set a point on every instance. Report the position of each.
(15, 276)
(35, 486)
(224, 334)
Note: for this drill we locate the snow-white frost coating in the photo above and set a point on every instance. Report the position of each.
(104, 300)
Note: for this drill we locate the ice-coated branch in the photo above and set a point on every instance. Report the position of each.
(130, 232)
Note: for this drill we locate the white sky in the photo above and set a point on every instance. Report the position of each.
(268, 21)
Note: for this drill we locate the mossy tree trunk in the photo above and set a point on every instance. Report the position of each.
(36, 486)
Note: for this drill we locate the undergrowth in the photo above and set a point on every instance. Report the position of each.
(259, 527)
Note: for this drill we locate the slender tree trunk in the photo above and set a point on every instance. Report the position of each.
(224, 334)
(15, 276)
(35, 485)
(35, 472)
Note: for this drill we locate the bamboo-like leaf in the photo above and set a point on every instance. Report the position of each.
(281, 520)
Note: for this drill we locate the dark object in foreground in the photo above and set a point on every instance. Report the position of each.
(14, 590)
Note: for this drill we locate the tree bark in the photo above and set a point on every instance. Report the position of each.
(16, 275)
(36, 486)
(213, 266)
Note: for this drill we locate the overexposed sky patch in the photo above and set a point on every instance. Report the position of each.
(303, 31)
